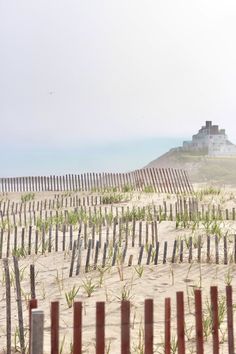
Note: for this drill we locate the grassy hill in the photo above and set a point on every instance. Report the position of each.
(200, 167)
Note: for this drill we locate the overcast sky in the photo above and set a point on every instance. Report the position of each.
(78, 71)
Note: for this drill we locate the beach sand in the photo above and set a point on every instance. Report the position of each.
(135, 283)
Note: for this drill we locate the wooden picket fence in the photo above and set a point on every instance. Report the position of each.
(139, 249)
(215, 252)
(37, 320)
(161, 180)
(22, 214)
(8, 207)
(135, 235)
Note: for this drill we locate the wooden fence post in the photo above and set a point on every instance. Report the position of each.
(100, 328)
(79, 255)
(208, 248)
(88, 256)
(32, 281)
(165, 252)
(33, 304)
(72, 259)
(199, 249)
(190, 257)
(180, 322)
(225, 251)
(125, 327)
(230, 323)
(167, 326)
(77, 328)
(149, 255)
(198, 321)
(36, 336)
(148, 329)
(174, 252)
(8, 304)
(55, 327)
(215, 322)
(217, 250)
(114, 255)
(19, 305)
(140, 255)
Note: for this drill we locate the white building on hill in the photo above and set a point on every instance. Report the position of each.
(212, 141)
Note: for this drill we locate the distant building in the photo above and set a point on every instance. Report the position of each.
(210, 140)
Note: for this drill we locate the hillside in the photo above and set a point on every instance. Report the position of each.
(201, 168)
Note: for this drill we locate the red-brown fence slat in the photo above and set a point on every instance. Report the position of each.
(230, 326)
(100, 328)
(77, 328)
(55, 327)
(215, 322)
(125, 327)
(198, 321)
(180, 322)
(148, 326)
(167, 326)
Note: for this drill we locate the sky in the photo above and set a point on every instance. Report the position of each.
(82, 73)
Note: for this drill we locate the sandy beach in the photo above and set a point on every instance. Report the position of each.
(121, 281)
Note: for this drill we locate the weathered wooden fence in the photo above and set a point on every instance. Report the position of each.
(213, 318)
(25, 213)
(36, 329)
(47, 236)
(161, 180)
(35, 232)
(86, 257)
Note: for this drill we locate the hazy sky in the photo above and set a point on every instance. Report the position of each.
(73, 71)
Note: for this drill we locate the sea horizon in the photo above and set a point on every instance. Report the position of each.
(119, 156)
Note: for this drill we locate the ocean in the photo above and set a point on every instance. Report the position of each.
(122, 156)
